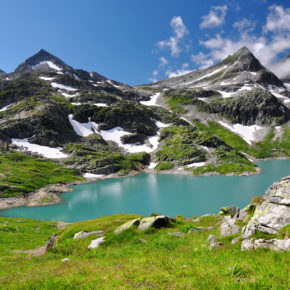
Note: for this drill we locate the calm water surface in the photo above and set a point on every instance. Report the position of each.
(166, 194)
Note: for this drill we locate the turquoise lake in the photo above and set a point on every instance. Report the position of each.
(165, 194)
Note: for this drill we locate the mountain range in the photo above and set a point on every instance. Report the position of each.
(210, 121)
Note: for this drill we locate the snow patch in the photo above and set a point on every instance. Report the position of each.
(111, 83)
(115, 135)
(287, 86)
(5, 108)
(210, 74)
(197, 164)
(279, 96)
(152, 101)
(50, 64)
(245, 87)
(101, 105)
(46, 78)
(83, 129)
(68, 95)
(152, 165)
(92, 176)
(45, 151)
(76, 77)
(246, 132)
(226, 94)
(63, 87)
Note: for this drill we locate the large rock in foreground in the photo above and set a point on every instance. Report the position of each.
(274, 212)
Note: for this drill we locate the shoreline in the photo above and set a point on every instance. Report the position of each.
(50, 194)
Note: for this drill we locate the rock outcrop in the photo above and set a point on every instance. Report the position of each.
(269, 218)
(274, 211)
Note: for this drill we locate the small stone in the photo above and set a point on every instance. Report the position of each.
(20, 221)
(235, 240)
(177, 234)
(65, 260)
(215, 245)
(232, 210)
(212, 239)
(184, 266)
(195, 249)
(193, 230)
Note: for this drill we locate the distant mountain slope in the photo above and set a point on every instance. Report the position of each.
(233, 73)
(210, 120)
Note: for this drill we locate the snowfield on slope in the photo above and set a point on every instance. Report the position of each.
(115, 135)
(152, 101)
(63, 87)
(246, 132)
(48, 152)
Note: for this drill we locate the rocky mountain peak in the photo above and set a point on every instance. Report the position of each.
(43, 61)
(2, 72)
(246, 61)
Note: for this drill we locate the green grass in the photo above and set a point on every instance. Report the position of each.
(164, 166)
(123, 261)
(263, 149)
(21, 174)
(177, 145)
(103, 159)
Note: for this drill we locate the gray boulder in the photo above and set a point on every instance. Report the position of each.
(272, 244)
(147, 222)
(155, 222)
(274, 211)
(82, 234)
(232, 210)
(228, 227)
(213, 242)
(95, 243)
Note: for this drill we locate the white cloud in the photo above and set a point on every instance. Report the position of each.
(155, 73)
(177, 73)
(202, 60)
(278, 20)
(245, 25)
(174, 42)
(216, 17)
(185, 65)
(282, 69)
(163, 61)
(153, 80)
(266, 47)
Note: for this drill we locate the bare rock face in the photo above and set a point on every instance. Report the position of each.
(274, 212)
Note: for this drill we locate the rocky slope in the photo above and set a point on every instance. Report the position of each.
(100, 126)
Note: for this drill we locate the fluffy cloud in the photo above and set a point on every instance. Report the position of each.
(216, 17)
(177, 73)
(174, 42)
(278, 20)
(265, 47)
(163, 61)
(245, 25)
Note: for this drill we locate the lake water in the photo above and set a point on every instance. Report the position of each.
(165, 194)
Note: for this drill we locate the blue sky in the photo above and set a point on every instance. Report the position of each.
(136, 41)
